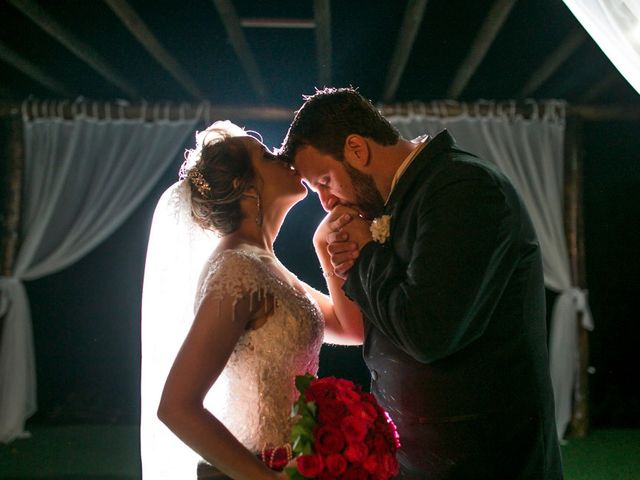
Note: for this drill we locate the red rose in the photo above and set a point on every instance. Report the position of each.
(356, 452)
(348, 396)
(310, 465)
(365, 411)
(328, 439)
(330, 411)
(343, 384)
(370, 464)
(355, 473)
(369, 398)
(335, 464)
(379, 444)
(320, 389)
(390, 465)
(391, 430)
(354, 428)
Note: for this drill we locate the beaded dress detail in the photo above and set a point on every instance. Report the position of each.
(254, 393)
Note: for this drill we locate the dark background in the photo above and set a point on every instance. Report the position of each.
(86, 319)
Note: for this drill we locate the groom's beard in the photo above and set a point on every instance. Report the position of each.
(368, 198)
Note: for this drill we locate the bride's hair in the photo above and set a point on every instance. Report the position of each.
(210, 169)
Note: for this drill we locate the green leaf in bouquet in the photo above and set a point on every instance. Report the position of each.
(298, 431)
(307, 423)
(303, 382)
(313, 408)
(302, 444)
(301, 431)
(307, 448)
(297, 442)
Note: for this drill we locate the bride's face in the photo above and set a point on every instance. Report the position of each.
(279, 180)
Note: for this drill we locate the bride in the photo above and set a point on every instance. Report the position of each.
(229, 392)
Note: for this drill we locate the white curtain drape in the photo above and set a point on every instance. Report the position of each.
(531, 153)
(615, 26)
(82, 179)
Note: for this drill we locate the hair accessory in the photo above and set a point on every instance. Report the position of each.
(198, 180)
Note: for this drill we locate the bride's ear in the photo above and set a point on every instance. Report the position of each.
(251, 192)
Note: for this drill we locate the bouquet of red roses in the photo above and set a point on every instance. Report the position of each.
(341, 432)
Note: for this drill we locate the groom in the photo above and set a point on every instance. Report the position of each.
(451, 289)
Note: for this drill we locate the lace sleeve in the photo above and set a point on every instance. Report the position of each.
(231, 276)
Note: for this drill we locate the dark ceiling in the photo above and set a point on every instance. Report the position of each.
(538, 39)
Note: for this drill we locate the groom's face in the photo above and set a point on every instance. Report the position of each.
(338, 183)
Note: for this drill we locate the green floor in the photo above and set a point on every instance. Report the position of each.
(603, 455)
(111, 453)
(83, 452)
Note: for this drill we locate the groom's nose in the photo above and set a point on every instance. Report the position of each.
(327, 199)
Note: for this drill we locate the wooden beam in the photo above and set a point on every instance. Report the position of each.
(141, 31)
(277, 23)
(600, 87)
(322, 13)
(239, 43)
(413, 16)
(603, 113)
(32, 71)
(553, 62)
(79, 48)
(485, 37)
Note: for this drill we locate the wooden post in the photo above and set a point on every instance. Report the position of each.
(574, 229)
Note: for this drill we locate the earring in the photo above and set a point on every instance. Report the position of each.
(259, 215)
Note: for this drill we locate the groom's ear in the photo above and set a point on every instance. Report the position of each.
(356, 151)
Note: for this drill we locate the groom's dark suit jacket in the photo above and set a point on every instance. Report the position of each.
(455, 323)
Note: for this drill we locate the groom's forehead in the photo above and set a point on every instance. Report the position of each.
(312, 164)
(312, 158)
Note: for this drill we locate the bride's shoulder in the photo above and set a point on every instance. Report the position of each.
(233, 269)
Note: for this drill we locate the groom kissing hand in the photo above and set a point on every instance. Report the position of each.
(451, 290)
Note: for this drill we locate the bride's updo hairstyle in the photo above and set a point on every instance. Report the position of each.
(210, 169)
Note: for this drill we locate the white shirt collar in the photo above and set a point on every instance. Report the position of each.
(423, 140)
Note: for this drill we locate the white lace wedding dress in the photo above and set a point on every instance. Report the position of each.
(254, 394)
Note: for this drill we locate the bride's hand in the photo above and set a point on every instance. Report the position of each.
(331, 224)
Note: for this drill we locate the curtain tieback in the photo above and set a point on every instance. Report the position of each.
(579, 298)
(7, 284)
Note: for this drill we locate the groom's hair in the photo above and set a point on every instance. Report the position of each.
(329, 116)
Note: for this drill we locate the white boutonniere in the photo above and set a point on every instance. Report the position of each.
(380, 228)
